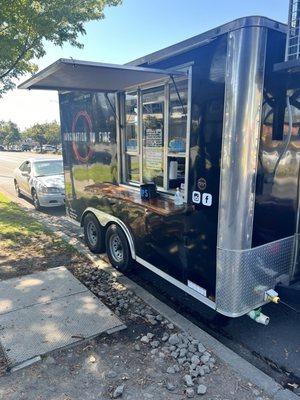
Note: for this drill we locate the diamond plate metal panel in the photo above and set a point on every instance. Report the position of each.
(48, 310)
(28, 332)
(243, 276)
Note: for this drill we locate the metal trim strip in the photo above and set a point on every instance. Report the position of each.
(207, 37)
(177, 283)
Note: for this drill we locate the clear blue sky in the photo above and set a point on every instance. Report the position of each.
(131, 30)
(138, 27)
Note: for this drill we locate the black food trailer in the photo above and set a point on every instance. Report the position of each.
(187, 162)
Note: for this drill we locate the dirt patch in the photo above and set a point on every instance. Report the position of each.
(41, 252)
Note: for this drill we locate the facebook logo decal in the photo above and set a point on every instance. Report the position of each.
(207, 199)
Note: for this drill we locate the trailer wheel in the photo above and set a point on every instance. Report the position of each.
(117, 248)
(93, 234)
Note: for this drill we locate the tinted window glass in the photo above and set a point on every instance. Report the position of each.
(178, 117)
(131, 122)
(153, 135)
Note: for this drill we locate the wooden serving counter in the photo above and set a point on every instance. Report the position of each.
(160, 205)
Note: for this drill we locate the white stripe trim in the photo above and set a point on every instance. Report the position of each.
(177, 283)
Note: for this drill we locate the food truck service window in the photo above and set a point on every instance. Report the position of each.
(155, 148)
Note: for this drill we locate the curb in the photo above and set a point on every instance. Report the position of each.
(237, 363)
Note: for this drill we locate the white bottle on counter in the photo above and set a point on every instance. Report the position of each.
(178, 199)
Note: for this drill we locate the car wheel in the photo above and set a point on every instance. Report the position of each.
(93, 234)
(17, 189)
(117, 248)
(35, 200)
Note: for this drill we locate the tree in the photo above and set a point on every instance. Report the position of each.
(52, 134)
(25, 25)
(9, 133)
(48, 132)
(37, 133)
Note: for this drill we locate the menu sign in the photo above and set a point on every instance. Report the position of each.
(154, 149)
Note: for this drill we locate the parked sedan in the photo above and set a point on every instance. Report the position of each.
(42, 180)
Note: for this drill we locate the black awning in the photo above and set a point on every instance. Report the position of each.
(68, 74)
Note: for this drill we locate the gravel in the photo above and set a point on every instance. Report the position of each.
(154, 344)
(171, 370)
(145, 339)
(111, 374)
(201, 348)
(165, 337)
(176, 352)
(190, 392)
(174, 339)
(195, 360)
(170, 386)
(118, 392)
(202, 389)
(188, 380)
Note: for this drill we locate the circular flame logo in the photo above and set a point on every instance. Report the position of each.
(88, 123)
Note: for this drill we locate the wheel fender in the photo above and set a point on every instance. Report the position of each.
(106, 219)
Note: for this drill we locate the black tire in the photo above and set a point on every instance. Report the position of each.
(93, 234)
(17, 189)
(117, 248)
(35, 200)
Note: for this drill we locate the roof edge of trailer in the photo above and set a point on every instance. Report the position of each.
(208, 36)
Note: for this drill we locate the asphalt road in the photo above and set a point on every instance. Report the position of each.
(275, 349)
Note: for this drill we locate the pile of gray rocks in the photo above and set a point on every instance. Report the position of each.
(185, 356)
(124, 302)
(184, 359)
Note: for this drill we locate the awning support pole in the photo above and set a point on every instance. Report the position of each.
(178, 94)
(114, 111)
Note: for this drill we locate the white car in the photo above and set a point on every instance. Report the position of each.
(42, 180)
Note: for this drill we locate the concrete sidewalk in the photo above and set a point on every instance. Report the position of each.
(46, 311)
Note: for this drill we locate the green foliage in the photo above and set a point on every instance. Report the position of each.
(25, 25)
(18, 228)
(48, 132)
(16, 223)
(9, 133)
(52, 134)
